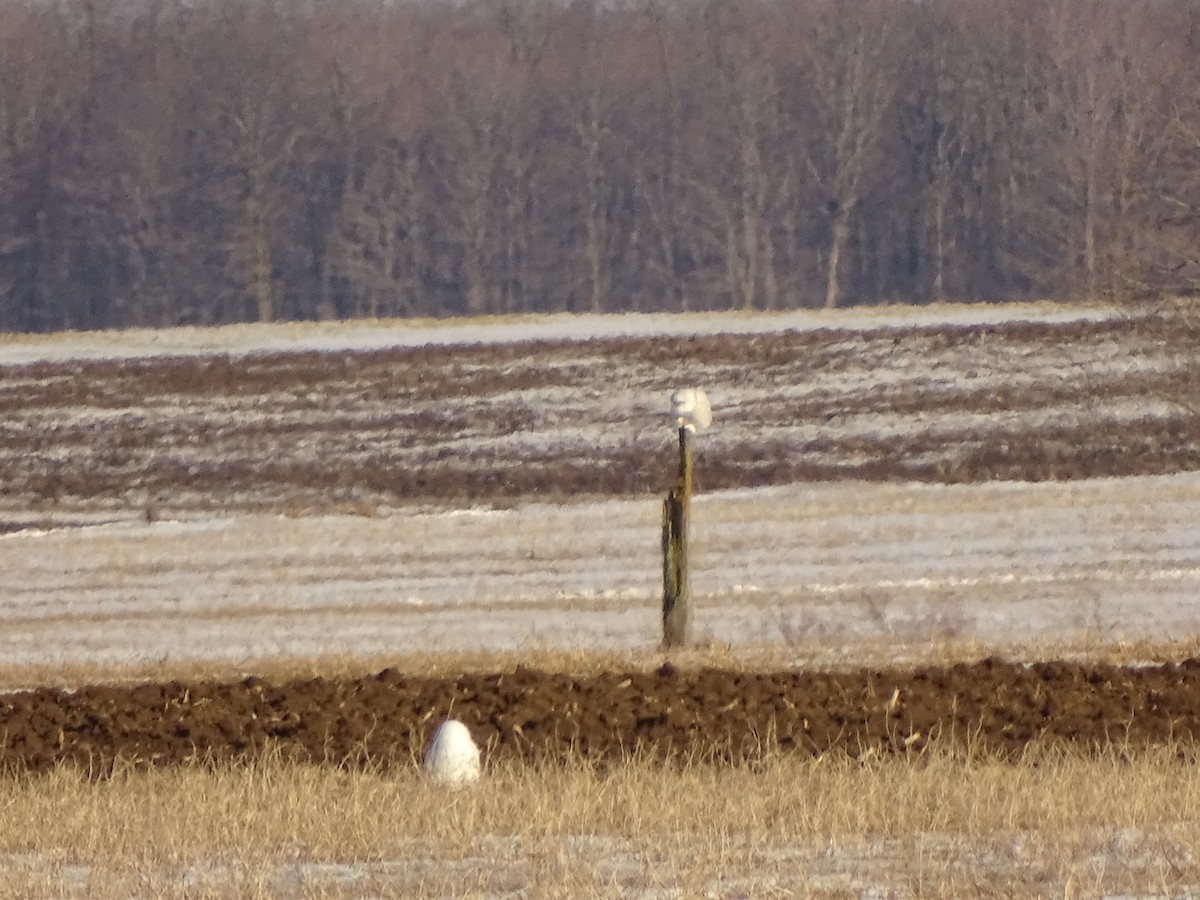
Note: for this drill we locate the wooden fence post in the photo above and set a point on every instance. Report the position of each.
(677, 601)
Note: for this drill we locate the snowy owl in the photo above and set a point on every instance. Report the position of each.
(690, 409)
(453, 758)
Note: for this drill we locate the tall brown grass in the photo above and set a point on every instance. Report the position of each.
(949, 823)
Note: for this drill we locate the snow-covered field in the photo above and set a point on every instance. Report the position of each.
(376, 335)
(811, 567)
(894, 394)
(838, 565)
(640, 868)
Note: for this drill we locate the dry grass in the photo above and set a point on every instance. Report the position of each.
(948, 824)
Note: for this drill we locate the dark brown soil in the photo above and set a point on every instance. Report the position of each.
(706, 714)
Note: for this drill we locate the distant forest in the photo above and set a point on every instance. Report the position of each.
(166, 162)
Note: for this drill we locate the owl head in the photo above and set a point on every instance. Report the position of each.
(690, 409)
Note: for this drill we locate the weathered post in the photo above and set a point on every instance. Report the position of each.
(677, 601)
(690, 409)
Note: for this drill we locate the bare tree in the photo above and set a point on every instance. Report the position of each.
(1167, 254)
(600, 68)
(250, 159)
(750, 102)
(851, 65)
(659, 180)
(40, 120)
(250, 98)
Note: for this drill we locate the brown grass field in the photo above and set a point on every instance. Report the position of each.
(941, 824)
(1094, 798)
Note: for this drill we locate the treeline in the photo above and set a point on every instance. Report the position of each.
(227, 160)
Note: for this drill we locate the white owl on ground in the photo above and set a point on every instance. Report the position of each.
(453, 757)
(690, 409)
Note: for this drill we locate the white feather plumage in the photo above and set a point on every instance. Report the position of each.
(453, 757)
(690, 408)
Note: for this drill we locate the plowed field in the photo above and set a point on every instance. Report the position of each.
(703, 714)
(307, 432)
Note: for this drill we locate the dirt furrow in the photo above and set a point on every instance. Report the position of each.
(702, 714)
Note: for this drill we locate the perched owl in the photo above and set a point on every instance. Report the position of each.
(453, 757)
(690, 409)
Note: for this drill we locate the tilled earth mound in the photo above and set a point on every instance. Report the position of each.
(705, 714)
